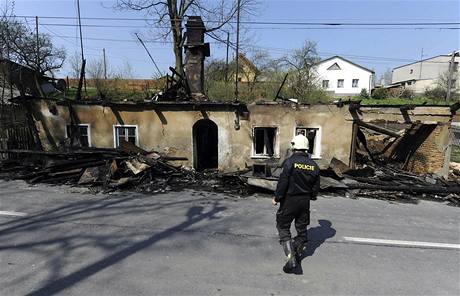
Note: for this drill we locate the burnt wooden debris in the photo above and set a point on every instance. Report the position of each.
(132, 168)
(380, 182)
(106, 170)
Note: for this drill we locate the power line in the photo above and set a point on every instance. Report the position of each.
(262, 28)
(299, 23)
(352, 56)
(272, 49)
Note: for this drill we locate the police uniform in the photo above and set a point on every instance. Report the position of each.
(298, 183)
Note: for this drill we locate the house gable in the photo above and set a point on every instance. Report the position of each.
(335, 66)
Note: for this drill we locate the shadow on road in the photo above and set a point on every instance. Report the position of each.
(194, 215)
(316, 237)
(119, 246)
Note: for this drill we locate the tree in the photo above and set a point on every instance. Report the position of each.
(302, 81)
(95, 71)
(75, 65)
(169, 16)
(20, 44)
(386, 77)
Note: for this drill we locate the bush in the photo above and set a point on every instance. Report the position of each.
(407, 94)
(380, 94)
(364, 94)
(436, 93)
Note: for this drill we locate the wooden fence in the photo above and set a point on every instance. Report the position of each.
(15, 132)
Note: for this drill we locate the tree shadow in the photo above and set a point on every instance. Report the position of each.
(316, 237)
(119, 246)
(194, 215)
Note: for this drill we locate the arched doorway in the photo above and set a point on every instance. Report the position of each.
(205, 145)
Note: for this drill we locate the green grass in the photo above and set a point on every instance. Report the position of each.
(112, 95)
(400, 101)
(455, 155)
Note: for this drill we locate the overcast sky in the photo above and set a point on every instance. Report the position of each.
(375, 47)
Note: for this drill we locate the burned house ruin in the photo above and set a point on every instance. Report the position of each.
(232, 136)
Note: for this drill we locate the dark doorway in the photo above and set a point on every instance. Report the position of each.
(205, 145)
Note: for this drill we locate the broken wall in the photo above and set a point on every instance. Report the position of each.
(334, 131)
(171, 131)
(426, 147)
(168, 132)
(431, 155)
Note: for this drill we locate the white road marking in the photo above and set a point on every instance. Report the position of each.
(10, 213)
(401, 243)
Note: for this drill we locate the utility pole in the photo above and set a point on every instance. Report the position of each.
(81, 45)
(449, 76)
(226, 60)
(38, 44)
(105, 64)
(237, 48)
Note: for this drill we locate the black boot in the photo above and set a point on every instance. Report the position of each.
(291, 264)
(299, 245)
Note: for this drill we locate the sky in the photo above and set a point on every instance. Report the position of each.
(377, 47)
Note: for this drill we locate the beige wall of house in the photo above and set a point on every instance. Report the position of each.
(172, 134)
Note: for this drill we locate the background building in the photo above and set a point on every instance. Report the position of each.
(427, 74)
(342, 77)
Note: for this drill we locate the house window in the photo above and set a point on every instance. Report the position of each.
(354, 83)
(411, 71)
(455, 67)
(340, 83)
(79, 134)
(325, 83)
(264, 141)
(313, 135)
(126, 133)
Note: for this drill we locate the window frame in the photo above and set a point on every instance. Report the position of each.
(87, 125)
(276, 144)
(343, 83)
(357, 83)
(317, 145)
(115, 136)
(327, 84)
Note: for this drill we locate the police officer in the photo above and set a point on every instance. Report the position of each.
(297, 185)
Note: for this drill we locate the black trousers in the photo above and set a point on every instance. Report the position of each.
(293, 208)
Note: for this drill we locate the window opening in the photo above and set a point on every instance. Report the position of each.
(312, 136)
(340, 83)
(264, 141)
(126, 133)
(80, 133)
(355, 83)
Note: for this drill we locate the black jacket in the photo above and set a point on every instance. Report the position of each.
(300, 176)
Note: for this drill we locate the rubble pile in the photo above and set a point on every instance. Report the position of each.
(389, 182)
(129, 168)
(132, 168)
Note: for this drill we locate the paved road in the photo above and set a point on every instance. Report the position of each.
(65, 241)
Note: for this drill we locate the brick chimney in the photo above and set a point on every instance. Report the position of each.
(195, 52)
